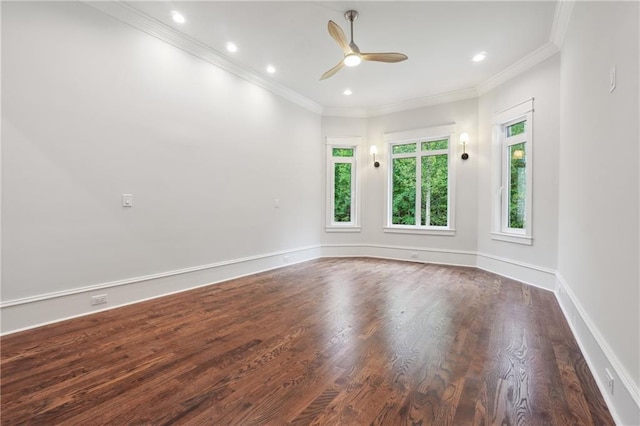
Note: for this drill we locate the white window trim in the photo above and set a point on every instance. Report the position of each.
(420, 135)
(502, 119)
(343, 142)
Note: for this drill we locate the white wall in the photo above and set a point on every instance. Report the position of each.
(472, 244)
(91, 109)
(598, 240)
(464, 114)
(541, 82)
(596, 163)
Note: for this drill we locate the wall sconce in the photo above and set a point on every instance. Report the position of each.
(518, 154)
(374, 151)
(464, 140)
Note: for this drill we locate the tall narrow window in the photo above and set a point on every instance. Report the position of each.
(513, 139)
(421, 181)
(342, 185)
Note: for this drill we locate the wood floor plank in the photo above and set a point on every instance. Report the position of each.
(331, 341)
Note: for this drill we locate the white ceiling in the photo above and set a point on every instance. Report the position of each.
(439, 37)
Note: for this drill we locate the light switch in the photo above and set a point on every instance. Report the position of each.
(127, 200)
(276, 203)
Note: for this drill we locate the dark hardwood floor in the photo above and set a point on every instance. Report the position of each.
(332, 341)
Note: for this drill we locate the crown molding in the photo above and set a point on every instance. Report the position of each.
(561, 22)
(145, 23)
(543, 52)
(443, 98)
(346, 112)
(426, 101)
(138, 20)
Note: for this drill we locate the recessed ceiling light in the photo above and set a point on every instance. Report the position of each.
(232, 47)
(177, 17)
(479, 57)
(348, 92)
(271, 69)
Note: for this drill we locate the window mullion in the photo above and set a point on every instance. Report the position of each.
(353, 189)
(333, 190)
(403, 155)
(506, 177)
(418, 190)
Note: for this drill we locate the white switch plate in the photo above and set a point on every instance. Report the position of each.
(276, 203)
(612, 79)
(127, 200)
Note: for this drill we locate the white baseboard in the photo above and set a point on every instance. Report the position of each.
(533, 275)
(624, 404)
(526, 273)
(35, 311)
(30, 312)
(412, 254)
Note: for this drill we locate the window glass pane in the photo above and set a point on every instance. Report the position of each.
(434, 190)
(433, 145)
(343, 152)
(342, 193)
(516, 129)
(404, 191)
(402, 149)
(517, 185)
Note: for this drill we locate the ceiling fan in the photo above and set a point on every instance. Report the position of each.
(352, 54)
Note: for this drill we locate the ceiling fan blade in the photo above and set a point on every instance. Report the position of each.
(338, 35)
(332, 71)
(384, 57)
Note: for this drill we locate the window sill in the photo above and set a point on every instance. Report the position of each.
(342, 229)
(423, 231)
(512, 238)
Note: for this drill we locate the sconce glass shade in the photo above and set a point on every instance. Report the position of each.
(518, 154)
(373, 151)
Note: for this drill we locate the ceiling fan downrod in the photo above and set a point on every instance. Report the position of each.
(350, 16)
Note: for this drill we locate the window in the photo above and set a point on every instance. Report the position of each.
(342, 185)
(420, 184)
(513, 141)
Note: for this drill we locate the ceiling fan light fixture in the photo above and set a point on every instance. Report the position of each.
(352, 55)
(352, 60)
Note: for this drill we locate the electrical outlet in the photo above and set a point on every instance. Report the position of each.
(612, 79)
(414, 255)
(99, 299)
(610, 380)
(285, 259)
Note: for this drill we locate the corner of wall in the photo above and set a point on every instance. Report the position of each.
(624, 400)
